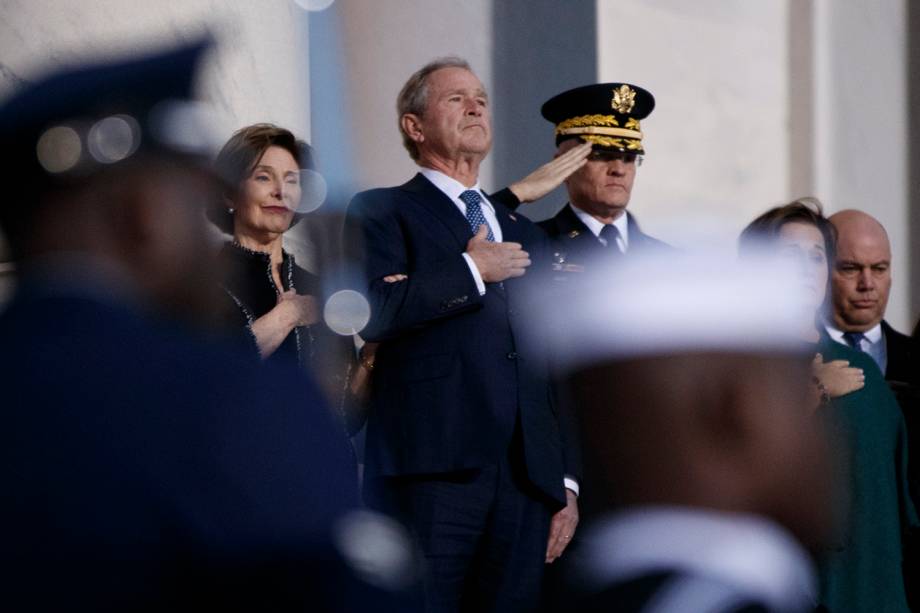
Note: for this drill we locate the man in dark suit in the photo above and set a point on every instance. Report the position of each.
(145, 466)
(595, 221)
(861, 285)
(462, 437)
(708, 481)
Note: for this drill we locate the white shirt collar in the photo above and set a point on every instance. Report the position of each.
(621, 223)
(875, 343)
(451, 187)
(873, 334)
(748, 552)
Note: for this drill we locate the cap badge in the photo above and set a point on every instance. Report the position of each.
(624, 99)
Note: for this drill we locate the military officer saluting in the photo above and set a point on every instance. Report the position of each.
(595, 223)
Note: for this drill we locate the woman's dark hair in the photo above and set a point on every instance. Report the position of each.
(766, 229)
(242, 152)
(802, 210)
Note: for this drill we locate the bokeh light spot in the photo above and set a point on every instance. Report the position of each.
(59, 149)
(113, 139)
(347, 312)
(314, 5)
(187, 126)
(377, 548)
(313, 191)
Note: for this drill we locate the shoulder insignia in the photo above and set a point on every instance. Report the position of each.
(573, 233)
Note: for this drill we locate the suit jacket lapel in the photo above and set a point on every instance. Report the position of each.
(430, 198)
(575, 235)
(433, 200)
(636, 237)
(898, 350)
(568, 223)
(511, 233)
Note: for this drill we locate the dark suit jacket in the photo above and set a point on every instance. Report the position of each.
(455, 373)
(145, 469)
(903, 356)
(903, 375)
(574, 244)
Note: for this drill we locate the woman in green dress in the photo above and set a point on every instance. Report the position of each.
(863, 571)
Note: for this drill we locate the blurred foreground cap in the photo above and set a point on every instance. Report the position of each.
(77, 120)
(676, 303)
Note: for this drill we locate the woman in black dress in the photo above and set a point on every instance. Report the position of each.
(277, 302)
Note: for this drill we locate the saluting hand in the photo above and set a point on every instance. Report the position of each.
(548, 177)
(497, 261)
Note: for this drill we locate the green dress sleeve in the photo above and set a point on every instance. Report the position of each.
(864, 573)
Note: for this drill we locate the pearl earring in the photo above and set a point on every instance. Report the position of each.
(231, 211)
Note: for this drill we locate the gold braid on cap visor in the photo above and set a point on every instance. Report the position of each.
(603, 130)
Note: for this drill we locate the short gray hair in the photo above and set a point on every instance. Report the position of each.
(413, 97)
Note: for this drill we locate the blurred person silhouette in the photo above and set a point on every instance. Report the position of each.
(863, 572)
(711, 478)
(277, 302)
(148, 466)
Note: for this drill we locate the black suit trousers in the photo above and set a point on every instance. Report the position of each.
(482, 535)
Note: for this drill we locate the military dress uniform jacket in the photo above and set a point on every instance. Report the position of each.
(574, 244)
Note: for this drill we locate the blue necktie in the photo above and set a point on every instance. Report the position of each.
(474, 216)
(854, 339)
(610, 234)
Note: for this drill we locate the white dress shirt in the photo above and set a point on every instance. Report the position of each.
(452, 188)
(873, 344)
(621, 223)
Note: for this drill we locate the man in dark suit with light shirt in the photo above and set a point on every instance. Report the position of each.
(463, 438)
(861, 285)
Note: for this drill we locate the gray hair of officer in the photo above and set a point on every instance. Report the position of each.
(413, 97)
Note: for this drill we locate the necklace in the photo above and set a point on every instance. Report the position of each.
(287, 263)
